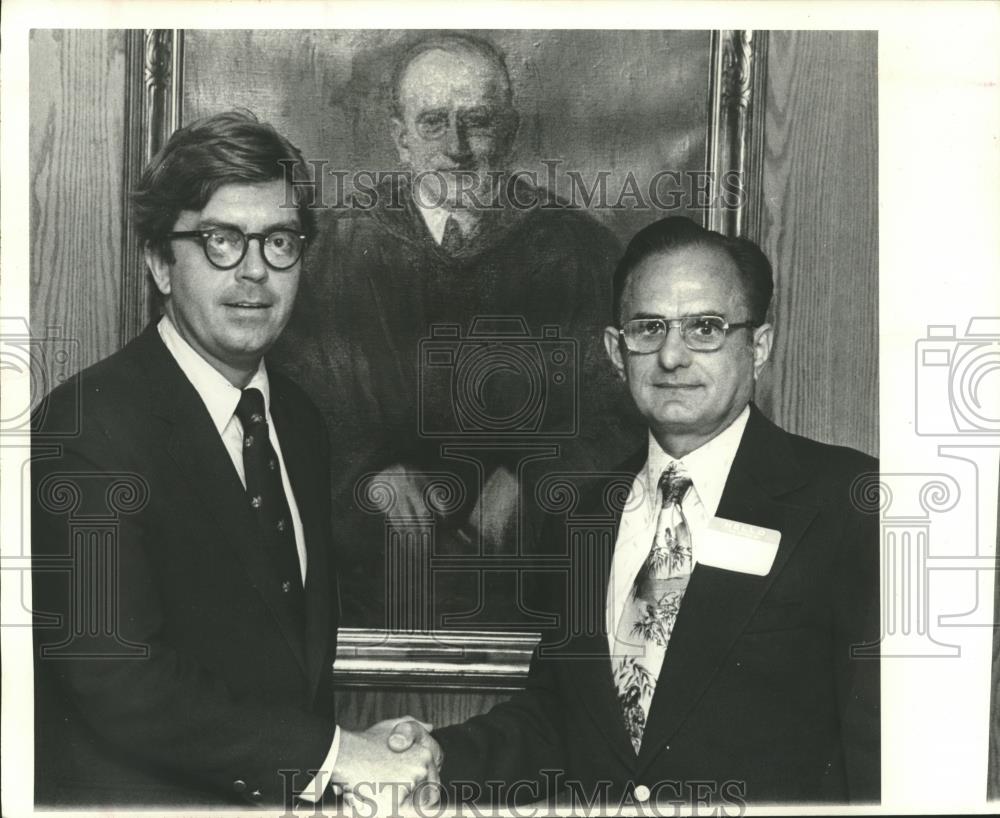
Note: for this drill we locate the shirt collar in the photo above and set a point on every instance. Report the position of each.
(708, 466)
(218, 394)
(437, 217)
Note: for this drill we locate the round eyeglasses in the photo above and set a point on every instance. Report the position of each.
(477, 121)
(700, 333)
(226, 247)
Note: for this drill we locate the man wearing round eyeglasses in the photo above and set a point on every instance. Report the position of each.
(206, 679)
(736, 659)
(229, 274)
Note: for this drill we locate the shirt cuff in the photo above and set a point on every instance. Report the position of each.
(313, 791)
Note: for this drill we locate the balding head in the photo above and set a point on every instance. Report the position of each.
(482, 54)
(454, 122)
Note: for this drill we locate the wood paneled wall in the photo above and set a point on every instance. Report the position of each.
(76, 120)
(357, 709)
(820, 229)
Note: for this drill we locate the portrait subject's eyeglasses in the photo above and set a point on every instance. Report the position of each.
(474, 121)
(700, 333)
(226, 247)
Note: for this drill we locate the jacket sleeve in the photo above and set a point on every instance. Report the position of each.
(500, 758)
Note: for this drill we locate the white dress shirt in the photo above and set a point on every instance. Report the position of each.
(220, 398)
(708, 467)
(436, 218)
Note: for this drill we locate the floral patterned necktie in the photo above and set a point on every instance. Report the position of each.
(652, 606)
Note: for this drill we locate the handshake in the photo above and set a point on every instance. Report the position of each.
(393, 763)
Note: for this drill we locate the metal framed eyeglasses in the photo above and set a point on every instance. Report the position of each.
(700, 333)
(226, 247)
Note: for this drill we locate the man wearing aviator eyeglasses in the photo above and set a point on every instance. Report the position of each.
(738, 656)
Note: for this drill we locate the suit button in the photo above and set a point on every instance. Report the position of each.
(256, 795)
(642, 793)
(239, 785)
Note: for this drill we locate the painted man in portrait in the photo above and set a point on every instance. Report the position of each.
(449, 319)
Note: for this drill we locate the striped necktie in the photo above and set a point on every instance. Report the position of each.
(267, 499)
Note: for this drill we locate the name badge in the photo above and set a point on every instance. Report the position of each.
(741, 547)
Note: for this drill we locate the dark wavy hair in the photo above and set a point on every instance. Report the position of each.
(678, 232)
(223, 149)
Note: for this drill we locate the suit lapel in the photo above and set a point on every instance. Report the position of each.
(718, 604)
(591, 680)
(299, 456)
(192, 441)
(588, 657)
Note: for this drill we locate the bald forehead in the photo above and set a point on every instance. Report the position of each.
(446, 78)
(686, 281)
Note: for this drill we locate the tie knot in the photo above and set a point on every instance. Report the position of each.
(250, 409)
(674, 483)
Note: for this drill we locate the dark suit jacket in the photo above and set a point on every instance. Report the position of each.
(168, 666)
(759, 694)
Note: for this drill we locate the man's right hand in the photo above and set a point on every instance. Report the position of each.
(410, 734)
(369, 765)
(407, 732)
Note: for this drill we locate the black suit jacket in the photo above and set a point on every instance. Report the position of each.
(168, 666)
(759, 694)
